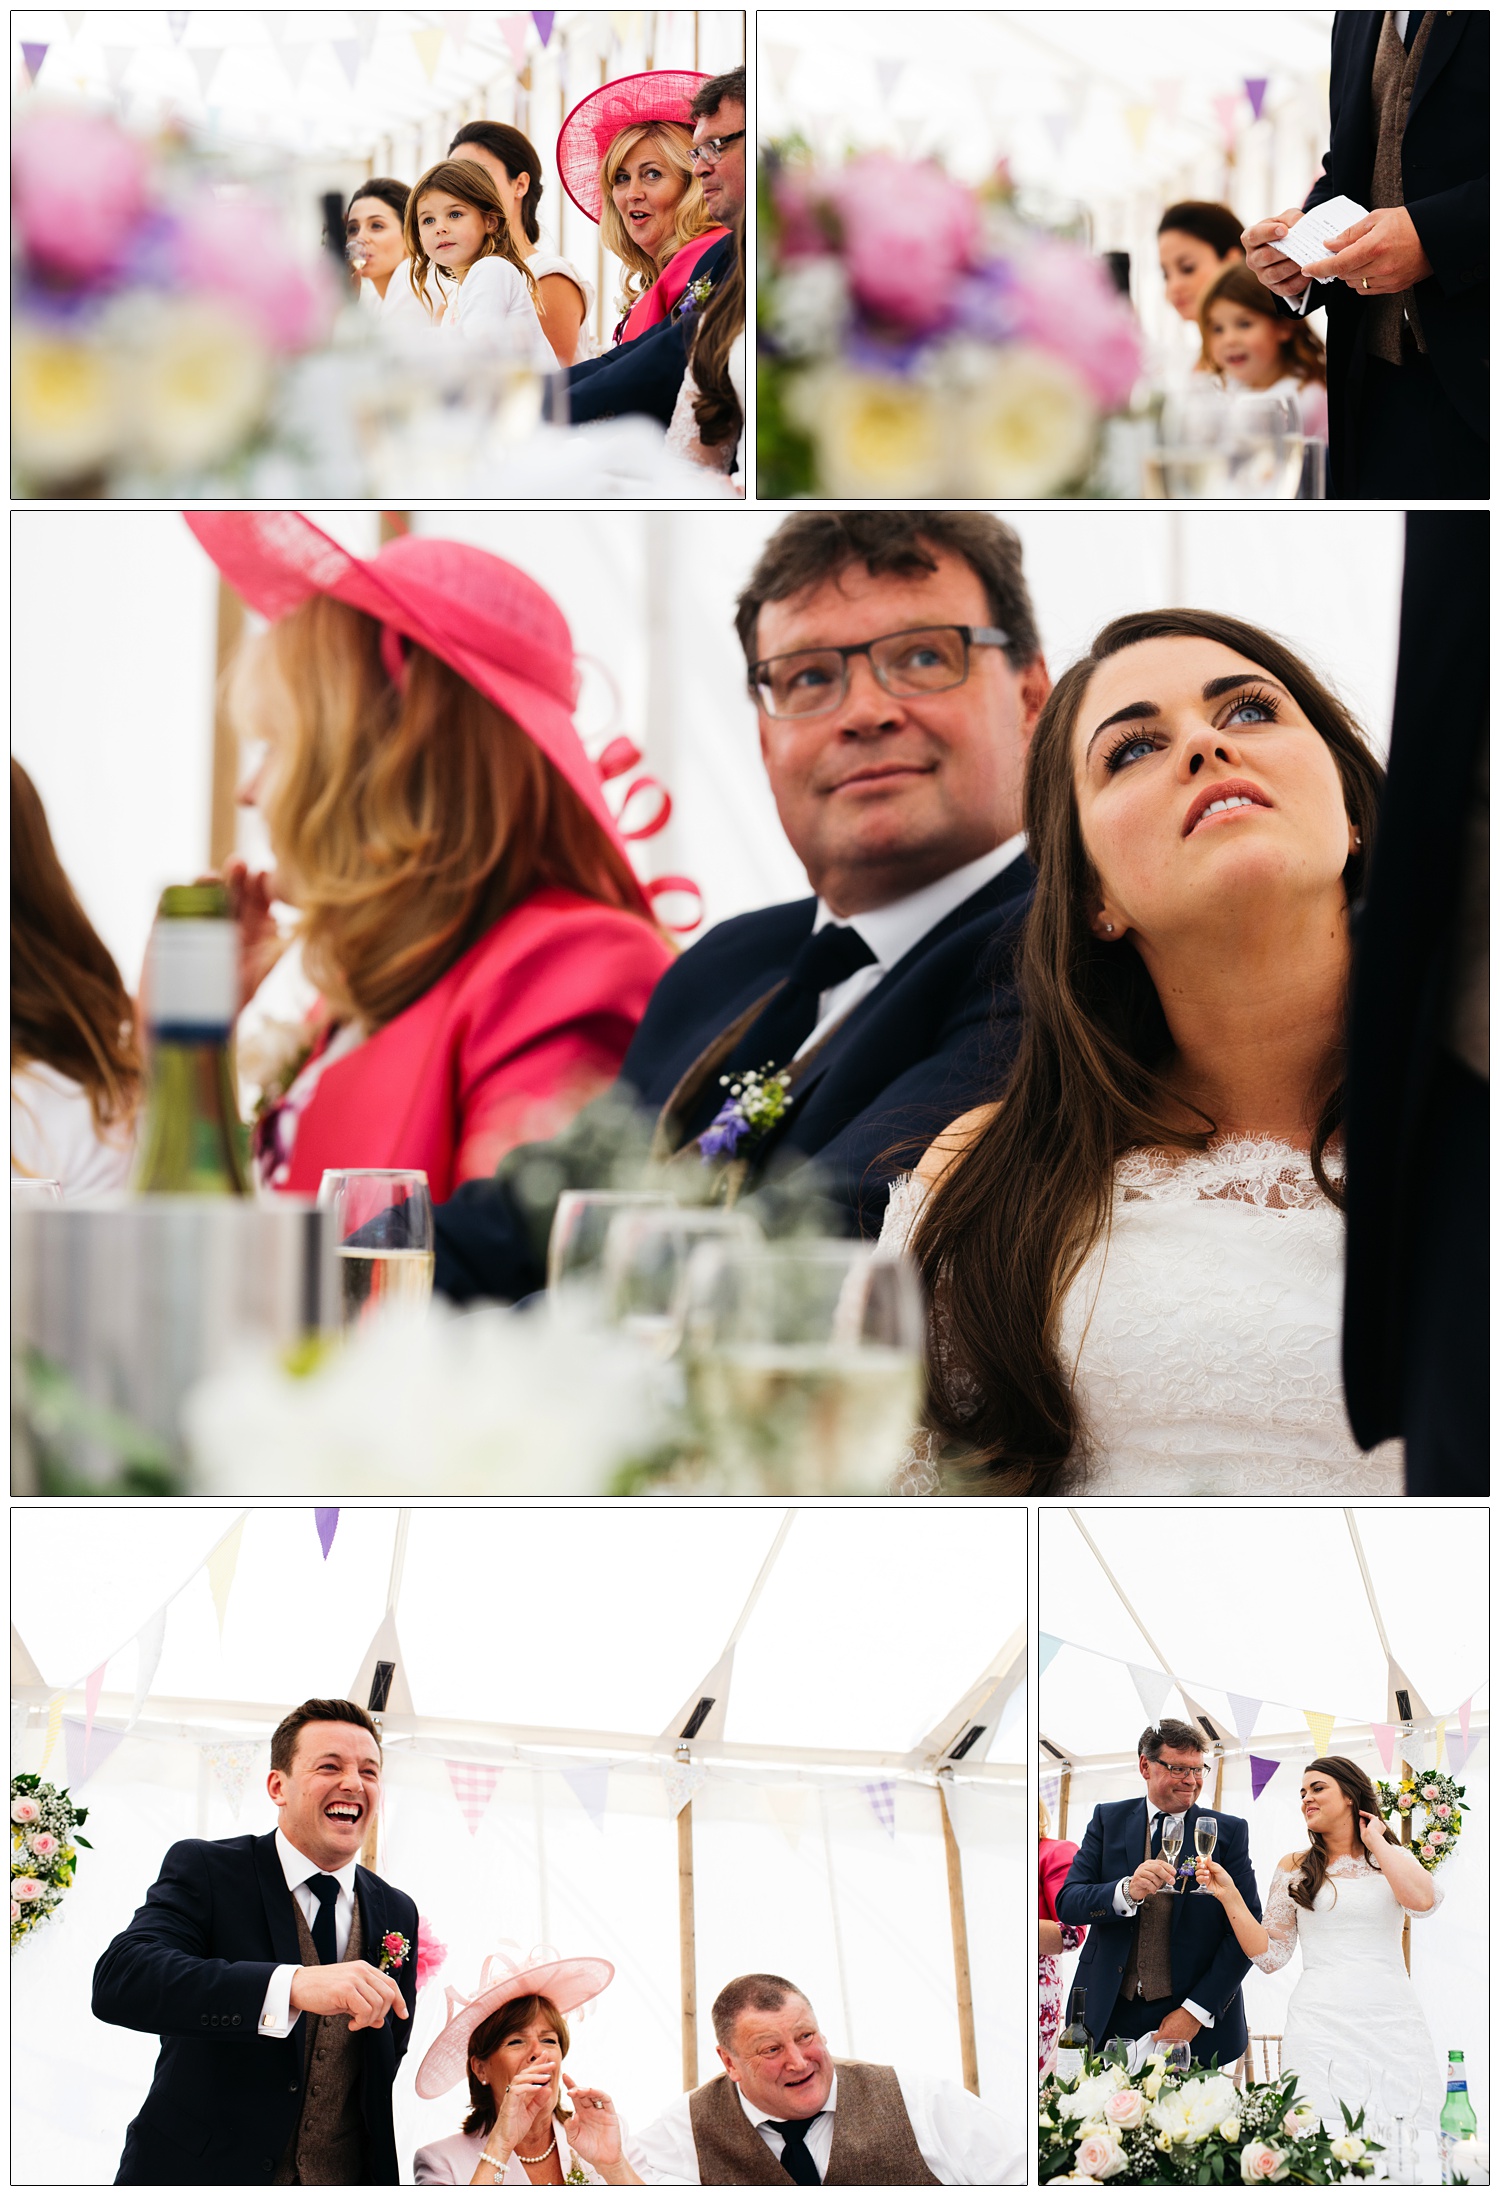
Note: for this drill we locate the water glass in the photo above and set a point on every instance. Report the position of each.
(575, 1248)
(644, 1269)
(1192, 458)
(28, 1190)
(1265, 444)
(383, 1227)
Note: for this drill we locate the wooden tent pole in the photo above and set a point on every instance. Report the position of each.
(1062, 1803)
(687, 1940)
(229, 626)
(1218, 1780)
(958, 1922)
(1406, 1841)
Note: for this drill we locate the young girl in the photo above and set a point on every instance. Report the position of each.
(482, 291)
(1252, 346)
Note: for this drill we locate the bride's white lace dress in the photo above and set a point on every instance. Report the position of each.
(1203, 1332)
(1353, 2025)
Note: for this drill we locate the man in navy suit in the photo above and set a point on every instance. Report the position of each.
(1157, 1961)
(645, 376)
(279, 1975)
(895, 663)
(1407, 288)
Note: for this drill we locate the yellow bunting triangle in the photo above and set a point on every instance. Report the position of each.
(54, 1729)
(1321, 1727)
(1437, 1742)
(1138, 122)
(221, 1567)
(429, 44)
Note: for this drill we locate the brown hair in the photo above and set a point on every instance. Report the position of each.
(405, 822)
(517, 156)
(1303, 350)
(492, 2032)
(388, 189)
(815, 546)
(750, 1994)
(1169, 1732)
(690, 216)
(284, 1737)
(1216, 226)
(1010, 1223)
(69, 1009)
(1360, 1792)
(466, 180)
(716, 407)
(709, 97)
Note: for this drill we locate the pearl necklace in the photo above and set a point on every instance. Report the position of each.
(537, 2160)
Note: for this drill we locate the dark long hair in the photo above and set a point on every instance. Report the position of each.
(491, 2032)
(716, 408)
(1006, 1230)
(516, 155)
(388, 189)
(1360, 1792)
(1204, 218)
(68, 1007)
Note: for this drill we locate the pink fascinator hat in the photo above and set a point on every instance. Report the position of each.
(485, 618)
(659, 95)
(568, 1983)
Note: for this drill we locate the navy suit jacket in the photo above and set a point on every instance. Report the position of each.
(1445, 159)
(193, 1967)
(930, 1041)
(645, 375)
(1207, 1964)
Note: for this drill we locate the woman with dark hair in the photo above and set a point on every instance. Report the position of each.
(75, 1072)
(375, 246)
(709, 418)
(527, 2120)
(1135, 1257)
(564, 297)
(1195, 242)
(1353, 2018)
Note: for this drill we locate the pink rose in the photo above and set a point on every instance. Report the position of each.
(1427, 1851)
(25, 1810)
(25, 1888)
(1437, 1837)
(233, 249)
(1259, 2162)
(1065, 302)
(1405, 1803)
(15, 1911)
(78, 188)
(1429, 1791)
(1300, 2121)
(1097, 2155)
(909, 232)
(1126, 2108)
(44, 1845)
(1442, 1811)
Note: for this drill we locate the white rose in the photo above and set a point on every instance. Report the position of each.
(1347, 2149)
(1230, 2130)
(1300, 2121)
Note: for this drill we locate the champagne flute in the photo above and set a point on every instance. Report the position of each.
(1171, 1846)
(1205, 1838)
(27, 1190)
(575, 1248)
(382, 1222)
(1266, 441)
(647, 1250)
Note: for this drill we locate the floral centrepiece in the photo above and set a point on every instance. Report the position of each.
(917, 338)
(43, 1851)
(1159, 2129)
(1440, 1801)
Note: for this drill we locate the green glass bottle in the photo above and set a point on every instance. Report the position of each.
(192, 1143)
(1456, 2122)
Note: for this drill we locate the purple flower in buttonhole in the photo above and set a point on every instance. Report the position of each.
(724, 1134)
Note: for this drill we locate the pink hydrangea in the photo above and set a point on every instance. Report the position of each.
(78, 189)
(44, 1845)
(431, 1951)
(232, 249)
(25, 1809)
(909, 232)
(1065, 301)
(804, 232)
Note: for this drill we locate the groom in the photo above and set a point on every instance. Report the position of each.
(279, 1975)
(1155, 1962)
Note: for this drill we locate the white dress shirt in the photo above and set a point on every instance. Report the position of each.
(276, 2016)
(1127, 1908)
(891, 932)
(962, 2141)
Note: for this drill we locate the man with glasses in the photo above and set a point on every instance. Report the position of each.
(1160, 1958)
(645, 376)
(894, 660)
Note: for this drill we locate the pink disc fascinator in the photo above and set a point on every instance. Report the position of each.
(568, 1983)
(658, 95)
(485, 618)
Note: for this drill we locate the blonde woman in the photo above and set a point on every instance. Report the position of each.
(625, 158)
(480, 288)
(466, 906)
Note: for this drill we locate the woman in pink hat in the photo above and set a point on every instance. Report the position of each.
(465, 905)
(625, 158)
(528, 2121)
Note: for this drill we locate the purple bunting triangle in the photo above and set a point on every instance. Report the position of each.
(544, 18)
(1255, 92)
(1262, 1769)
(33, 56)
(88, 1750)
(327, 1522)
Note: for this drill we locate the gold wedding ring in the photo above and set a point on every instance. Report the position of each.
(1364, 282)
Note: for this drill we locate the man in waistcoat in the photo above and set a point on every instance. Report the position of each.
(279, 1975)
(1160, 1960)
(1407, 287)
(784, 2110)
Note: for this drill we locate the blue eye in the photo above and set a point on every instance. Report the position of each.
(1264, 712)
(1129, 750)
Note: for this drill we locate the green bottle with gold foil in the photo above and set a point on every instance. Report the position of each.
(192, 1143)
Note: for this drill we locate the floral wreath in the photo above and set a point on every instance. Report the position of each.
(43, 1841)
(1442, 1803)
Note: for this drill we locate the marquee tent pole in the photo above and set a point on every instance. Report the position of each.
(958, 1923)
(1062, 1803)
(1406, 1841)
(687, 1940)
(229, 627)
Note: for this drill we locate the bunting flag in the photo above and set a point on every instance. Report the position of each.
(788, 1803)
(1049, 1791)
(327, 1521)
(230, 1765)
(882, 1798)
(1262, 1769)
(1321, 1727)
(73, 17)
(429, 47)
(34, 55)
(1244, 1710)
(1153, 1687)
(148, 1644)
(456, 23)
(1226, 107)
(1167, 92)
(117, 60)
(93, 1686)
(1058, 128)
(682, 1779)
(544, 18)
(778, 62)
(1437, 1742)
(513, 31)
(366, 22)
(54, 1726)
(87, 1750)
(205, 60)
(1464, 1707)
(1047, 1645)
(1384, 1735)
(177, 23)
(221, 1567)
(589, 1783)
(1255, 92)
(473, 1785)
(1138, 122)
(888, 75)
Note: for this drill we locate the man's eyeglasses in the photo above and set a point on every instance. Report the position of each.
(709, 151)
(1193, 1776)
(926, 659)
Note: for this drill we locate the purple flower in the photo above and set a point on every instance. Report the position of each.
(985, 304)
(724, 1134)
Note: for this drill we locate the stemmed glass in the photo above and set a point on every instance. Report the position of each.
(575, 1248)
(1192, 459)
(1171, 1846)
(383, 1226)
(1205, 1838)
(1400, 2094)
(644, 1269)
(27, 1190)
(1265, 444)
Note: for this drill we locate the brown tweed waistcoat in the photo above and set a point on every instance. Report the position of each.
(1392, 82)
(873, 2143)
(327, 2149)
(1148, 1971)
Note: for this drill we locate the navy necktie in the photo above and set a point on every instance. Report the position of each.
(796, 2158)
(325, 1889)
(789, 1019)
(1413, 25)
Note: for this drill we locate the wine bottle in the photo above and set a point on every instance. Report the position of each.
(1457, 2122)
(1074, 2042)
(192, 1143)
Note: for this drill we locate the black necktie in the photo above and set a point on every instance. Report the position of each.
(325, 1889)
(1413, 25)
(820, 962)
(796, 2158)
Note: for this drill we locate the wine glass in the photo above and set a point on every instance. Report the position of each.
(644, 1267)
(1265, 441)
(803, 1365)
(28, 1190)
(1205, 1838)
(575, 1248)
(1192, 458)
(382, 1222)
(1171, 1846)
(1400, 2094)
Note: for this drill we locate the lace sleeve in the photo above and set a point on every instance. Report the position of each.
(1280, 1920)
(902, 1211)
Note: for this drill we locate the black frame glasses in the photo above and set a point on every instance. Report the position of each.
(972, 636)
(713, 147)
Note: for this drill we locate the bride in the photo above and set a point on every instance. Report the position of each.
(1353, 2026)
(1135, 1258)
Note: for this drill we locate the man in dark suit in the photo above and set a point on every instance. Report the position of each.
(1157, 1961)
(279, 1975)
(1408, 302)
(645, 376)
(1416, 1300)
(895, 663)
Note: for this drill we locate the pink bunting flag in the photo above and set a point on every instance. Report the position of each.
(33, 56)
(327, 1522)
(544, 18)
(1255, 92)
(882, 1799)
(1226, 107)
(346, 51)
(1463, 1717)
(473, 1785)
(87, 1750)
(513, 31)
(1262, 1769)
(93, 1686)
(1384, 1735)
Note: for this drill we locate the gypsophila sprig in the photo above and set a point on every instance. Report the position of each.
(43, 1851)
(756, 1102)
(1440, 1802)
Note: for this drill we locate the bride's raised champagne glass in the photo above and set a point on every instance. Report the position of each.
(383, 1227)
(1205, 1838)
